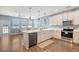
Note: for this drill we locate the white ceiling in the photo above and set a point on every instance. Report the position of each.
(24, 10)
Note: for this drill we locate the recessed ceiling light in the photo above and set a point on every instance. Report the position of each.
(56, 9)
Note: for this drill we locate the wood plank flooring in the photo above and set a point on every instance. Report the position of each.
(15, 44)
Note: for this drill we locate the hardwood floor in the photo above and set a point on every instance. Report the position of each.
(15, 44)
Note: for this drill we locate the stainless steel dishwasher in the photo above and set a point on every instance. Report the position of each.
(32, 39)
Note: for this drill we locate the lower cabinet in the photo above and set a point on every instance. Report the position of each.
(31, 39)
(57, 34)
(76, 37)
(41, 37)
(44, 35)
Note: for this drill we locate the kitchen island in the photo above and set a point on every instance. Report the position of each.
(34, 37)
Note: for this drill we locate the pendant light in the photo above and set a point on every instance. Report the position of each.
(30, 13)
(39, 19)
(30, 19)
(38, 14)
(44, 17)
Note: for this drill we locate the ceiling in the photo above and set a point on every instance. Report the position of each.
(23, 11)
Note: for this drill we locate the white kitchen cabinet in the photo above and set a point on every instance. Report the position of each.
(76, 37)
(56, 20)
(76, 17)
(60, 21)
(70, 15)
(64, 16)
(54, 33)
(51, 20)
(44, 35)
(25, 42)
(40, 37)
(57, 34)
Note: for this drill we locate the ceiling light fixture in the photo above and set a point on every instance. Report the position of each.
(38, 14)
(56, 9)
(30, 13)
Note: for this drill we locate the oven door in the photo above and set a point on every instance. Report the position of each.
(67, 34)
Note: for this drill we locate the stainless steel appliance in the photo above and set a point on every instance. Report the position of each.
(67, 23)
(67, 31)
(32, 39)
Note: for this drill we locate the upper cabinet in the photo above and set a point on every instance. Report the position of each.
(55, 20)
(76, 17)
(58, 19)
(67, 16)
(51, 19)
(64, 16)
(70, 15)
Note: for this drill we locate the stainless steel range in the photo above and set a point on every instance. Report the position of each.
(67, 31)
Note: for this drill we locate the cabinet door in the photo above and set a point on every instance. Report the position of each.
(76, 17)
(58, 34)
(64, 16)
(39, 37)
(48, 35)
(60, 19)
(70, 15)
(56, 20)
(76, 37)
(51, 20)
(53, 33)
(43, 35)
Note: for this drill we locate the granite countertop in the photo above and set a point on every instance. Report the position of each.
(30, 31)
(76, 30)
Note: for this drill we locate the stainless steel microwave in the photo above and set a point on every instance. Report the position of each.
(67, 23)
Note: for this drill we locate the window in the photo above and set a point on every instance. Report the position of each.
(36, 23)
(15, 25)
(44, 22)
(23, 24)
